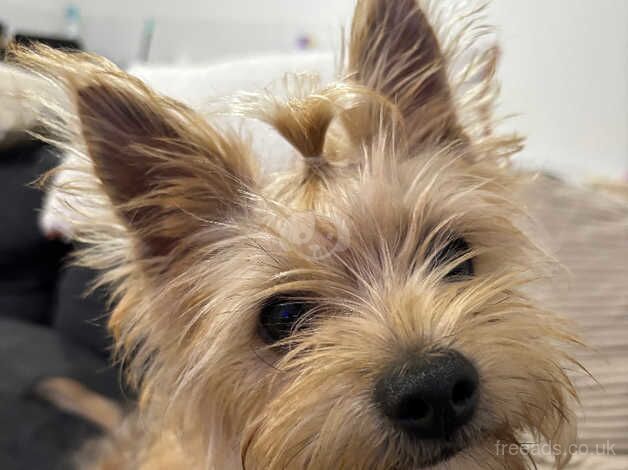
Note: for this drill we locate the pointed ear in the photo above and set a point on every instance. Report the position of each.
(165, 169)
(394, 51)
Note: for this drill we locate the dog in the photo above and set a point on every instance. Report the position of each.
(366, 309)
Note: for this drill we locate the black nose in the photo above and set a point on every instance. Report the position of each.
(430, 397)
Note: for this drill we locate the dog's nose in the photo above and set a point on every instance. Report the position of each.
(430, 397)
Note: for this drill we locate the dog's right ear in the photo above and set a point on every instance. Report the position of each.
(167, 172)
(163, 166)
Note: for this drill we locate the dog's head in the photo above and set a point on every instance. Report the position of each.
(364, 310)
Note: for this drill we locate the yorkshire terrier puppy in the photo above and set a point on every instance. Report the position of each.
(365, 310)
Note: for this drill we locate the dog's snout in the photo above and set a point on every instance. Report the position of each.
(430, 397)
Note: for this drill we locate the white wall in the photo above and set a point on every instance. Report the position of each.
(565, 70)
(186, 30)
(565, 66)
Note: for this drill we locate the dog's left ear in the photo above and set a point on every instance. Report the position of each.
(395, 51)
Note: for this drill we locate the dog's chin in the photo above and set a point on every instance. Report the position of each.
(442, 456)
(439, 457)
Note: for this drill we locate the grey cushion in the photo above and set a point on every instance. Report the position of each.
(33, 434)
(29, 263)
(81, 315)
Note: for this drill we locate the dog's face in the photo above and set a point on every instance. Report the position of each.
(363, 311)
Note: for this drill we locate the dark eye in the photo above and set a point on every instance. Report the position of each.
(454, 250)
(280, 316)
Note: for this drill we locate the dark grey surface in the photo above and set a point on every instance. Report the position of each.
(33, 434)
(47, 325)
(29, 263)
(79, 313)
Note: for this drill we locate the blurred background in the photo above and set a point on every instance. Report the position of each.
(565, 67)
(565, 77)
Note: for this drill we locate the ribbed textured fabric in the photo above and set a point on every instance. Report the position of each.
(587, 231)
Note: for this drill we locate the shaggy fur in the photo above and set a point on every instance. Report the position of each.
(399, 158)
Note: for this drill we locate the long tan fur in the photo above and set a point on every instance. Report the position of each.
(74, 398)
(397, 161)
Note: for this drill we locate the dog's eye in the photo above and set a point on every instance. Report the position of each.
(454, 250)
(279, 318)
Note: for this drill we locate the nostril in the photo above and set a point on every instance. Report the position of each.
(414, 409)
(430, 396)
(463, 394)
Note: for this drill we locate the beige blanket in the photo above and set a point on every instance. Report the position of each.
(587, 231)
